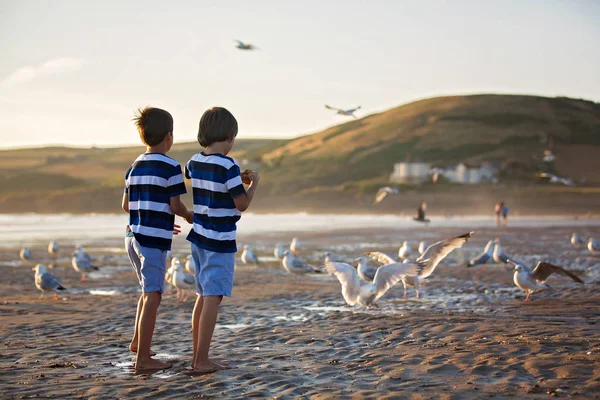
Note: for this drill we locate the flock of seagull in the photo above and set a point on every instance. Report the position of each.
(361, 283)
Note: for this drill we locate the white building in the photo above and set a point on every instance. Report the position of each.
(410, 172)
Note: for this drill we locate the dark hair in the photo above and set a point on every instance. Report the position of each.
(153, 124)
(217, 125)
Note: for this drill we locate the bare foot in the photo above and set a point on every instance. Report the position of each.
(133, 349)
(151, 363)
(222, 364)
(208, 367)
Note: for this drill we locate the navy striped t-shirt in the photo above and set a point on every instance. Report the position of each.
(151, 181)
(216, 181)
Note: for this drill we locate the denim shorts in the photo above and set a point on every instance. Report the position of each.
(150, 265)
(214, 272)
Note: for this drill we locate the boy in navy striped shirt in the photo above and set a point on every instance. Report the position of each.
(153, 185)
(219, 200)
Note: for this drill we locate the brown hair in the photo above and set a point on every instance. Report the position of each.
(153, 124)
(217, 125)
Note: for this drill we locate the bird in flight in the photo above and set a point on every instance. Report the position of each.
(349, 112)
(383, 192)
(245, 46)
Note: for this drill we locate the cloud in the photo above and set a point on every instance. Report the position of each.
(50, 67)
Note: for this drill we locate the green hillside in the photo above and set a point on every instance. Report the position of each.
(353, 158)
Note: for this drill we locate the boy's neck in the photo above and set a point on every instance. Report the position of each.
(216, 148)
(159, 148)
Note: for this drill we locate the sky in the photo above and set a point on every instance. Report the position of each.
(74, 72)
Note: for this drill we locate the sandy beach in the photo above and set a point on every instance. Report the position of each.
(470, 336)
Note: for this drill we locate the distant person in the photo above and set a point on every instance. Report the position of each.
(421, 212)
(221, 200)
(153, 185)
(501, 211)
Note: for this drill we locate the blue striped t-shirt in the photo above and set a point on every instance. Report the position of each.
(216, 181)
(151, 181)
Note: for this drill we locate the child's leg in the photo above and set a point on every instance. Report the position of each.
(206, 327)
(133, 346)
(196, 326)
(146, 331)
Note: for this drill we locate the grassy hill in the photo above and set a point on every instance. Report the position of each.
(341, 167)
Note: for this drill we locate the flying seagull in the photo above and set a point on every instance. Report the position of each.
(557, 179)
(46, 281)
(428, 261)
(499, 255)
(383, 192)
(483, 257)
(534, 280)
(349, 112)
(245, 46)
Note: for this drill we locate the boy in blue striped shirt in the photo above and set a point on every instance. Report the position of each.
(219, 200)
(153, 185)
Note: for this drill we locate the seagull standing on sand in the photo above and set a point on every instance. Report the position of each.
(183, 282)
(190, 265)
(25, 254)
(46, 281)
(593, 246)
(82, 262)
(534, 280)
(248, 256)
(483, 257)
(349, 112)
(576, 241)
(169, 275)
(295, 245)
(365, 271)
(422, 247)
(499, 255)
(428, 261)
(383, 192)
(404, 250)
(295, 265)
(53, 249)
(279, 249)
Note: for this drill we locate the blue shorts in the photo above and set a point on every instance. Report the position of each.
(150, 265)
(214, 272)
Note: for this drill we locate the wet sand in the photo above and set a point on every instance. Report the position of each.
(470, 336)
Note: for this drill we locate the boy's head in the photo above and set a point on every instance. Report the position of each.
(154, 125)
(217, 125)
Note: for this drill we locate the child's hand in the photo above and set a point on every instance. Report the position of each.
(245, 177)
(176, 229)
(253, 176)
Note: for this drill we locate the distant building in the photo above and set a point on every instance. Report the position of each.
(407, 172)
(410, 172)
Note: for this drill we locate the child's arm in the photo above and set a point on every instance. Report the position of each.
(242, 202)
(180, 209)
(125, 202)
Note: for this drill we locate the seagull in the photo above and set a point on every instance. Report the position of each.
(349, 112)
(557, 179)
(499, 255)
(365, 271)
(53, 248)
(383, 192)
(365, 294)
(593, 246)
(183, 282)
(533, 280)
(46, 281)
(483, 257)
(245, 46)
(295, 265)
(279, 249)
(248, 256)
(295, 245)
(422, 247)
(25, 254)
(82, 262)
(190, 265)
(404, 250)
(169, 274)
(428, 261)
(576, 241)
